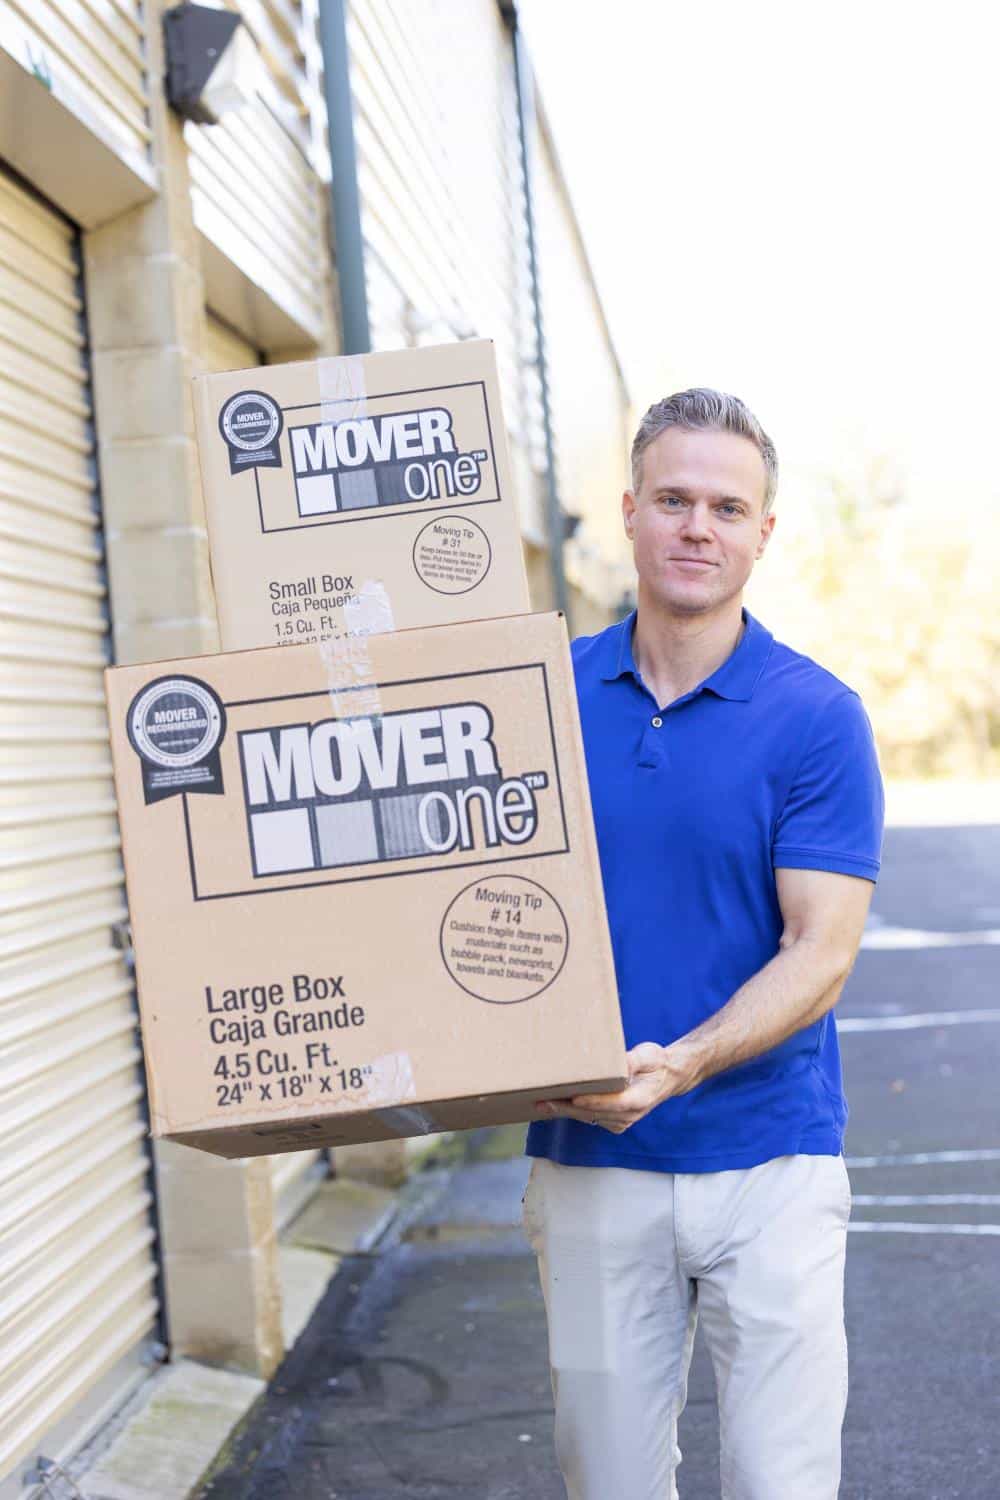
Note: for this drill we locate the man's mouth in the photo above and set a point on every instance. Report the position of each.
(691, 562)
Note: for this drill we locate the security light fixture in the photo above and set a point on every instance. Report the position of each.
(211, 62)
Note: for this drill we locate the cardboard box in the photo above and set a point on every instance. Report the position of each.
(358, 494)
(364, 887)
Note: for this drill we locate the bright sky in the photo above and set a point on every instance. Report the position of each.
(798, 203)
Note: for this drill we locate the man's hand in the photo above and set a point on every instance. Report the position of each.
(824, 917)
(654, 1074)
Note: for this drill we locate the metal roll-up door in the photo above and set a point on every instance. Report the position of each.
(276, 238)
(97, 50)
(78, 1307)
(294, 1175)
(442, 201)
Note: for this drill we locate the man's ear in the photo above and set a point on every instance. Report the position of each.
(766, 527)
(628, 512)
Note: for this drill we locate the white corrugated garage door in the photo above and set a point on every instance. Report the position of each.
(294, 1174)
(442, 203)
(77, 1268)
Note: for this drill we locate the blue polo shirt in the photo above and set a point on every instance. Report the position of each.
(768, 764)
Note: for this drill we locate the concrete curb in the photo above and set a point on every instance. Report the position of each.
(183, 1418)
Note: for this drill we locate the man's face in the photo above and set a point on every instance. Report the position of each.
(697, 521)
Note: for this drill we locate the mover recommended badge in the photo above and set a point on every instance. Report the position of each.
(251, 424)
(175, 726)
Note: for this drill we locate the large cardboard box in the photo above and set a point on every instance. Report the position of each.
(364, 887)
(358, 494)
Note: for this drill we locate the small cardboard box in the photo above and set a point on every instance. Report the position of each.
(364, 887)
(358, 494)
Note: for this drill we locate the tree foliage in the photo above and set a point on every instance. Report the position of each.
(901, 602)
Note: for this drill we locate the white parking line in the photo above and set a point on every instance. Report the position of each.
(925, 1158)
(847, 1024)
(914, 1200)
(874, 1226)
(918, 937)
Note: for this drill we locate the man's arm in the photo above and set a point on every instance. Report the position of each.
(824, 917)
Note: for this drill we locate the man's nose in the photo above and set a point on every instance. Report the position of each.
(697, 522)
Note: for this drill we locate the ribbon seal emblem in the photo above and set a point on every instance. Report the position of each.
(175, 726)
(251, 424)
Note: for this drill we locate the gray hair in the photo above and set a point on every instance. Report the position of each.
(704, 410)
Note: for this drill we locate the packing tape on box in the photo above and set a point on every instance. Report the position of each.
(390, 1081)
(409, 1121)
(350, 677)
(343, 396)
(369, 612)
(392, 1078)
(343, 391)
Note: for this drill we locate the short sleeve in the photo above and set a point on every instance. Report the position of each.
(835, 809)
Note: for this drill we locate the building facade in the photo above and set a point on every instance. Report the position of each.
(137, 249)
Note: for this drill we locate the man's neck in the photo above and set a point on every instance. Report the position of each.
(674, 653)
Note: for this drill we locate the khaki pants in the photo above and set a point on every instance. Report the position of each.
(629, 1261)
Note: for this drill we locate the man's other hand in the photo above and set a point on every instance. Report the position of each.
(654, 1073)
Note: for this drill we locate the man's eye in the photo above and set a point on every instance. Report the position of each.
(672, 500)
(731, 510)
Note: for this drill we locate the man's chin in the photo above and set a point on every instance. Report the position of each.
(686, 601)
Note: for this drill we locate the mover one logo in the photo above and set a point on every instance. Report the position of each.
(365, 462)
(394, 786)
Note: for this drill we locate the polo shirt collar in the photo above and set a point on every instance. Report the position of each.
(736, 679)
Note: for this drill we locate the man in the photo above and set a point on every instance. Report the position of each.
(738, 808)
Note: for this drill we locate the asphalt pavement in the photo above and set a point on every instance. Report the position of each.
(423, 1374)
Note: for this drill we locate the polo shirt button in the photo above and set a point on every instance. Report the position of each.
(657, 722)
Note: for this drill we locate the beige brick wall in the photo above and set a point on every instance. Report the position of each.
(588, 614)
(145, 302)
(539, 571)
(220, 1262)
